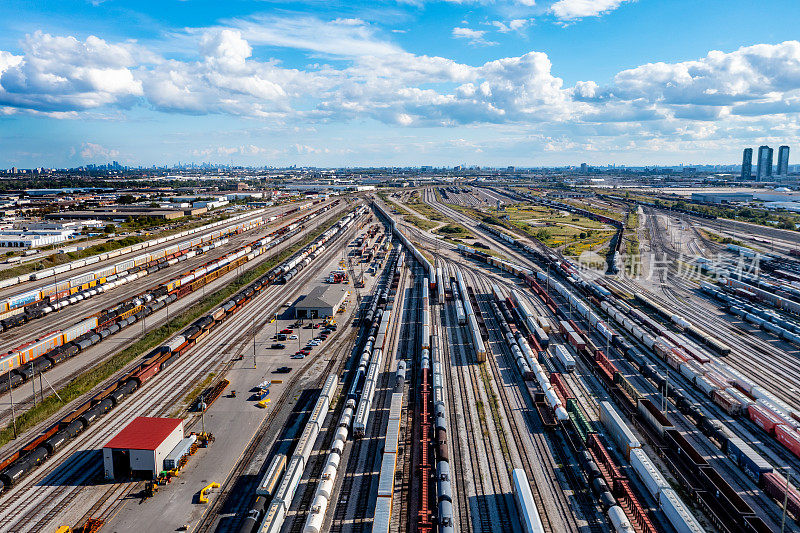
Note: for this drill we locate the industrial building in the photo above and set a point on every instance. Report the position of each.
(33, 239)
(721, 197)
(322, 301)
(117, 214)
(140, 448)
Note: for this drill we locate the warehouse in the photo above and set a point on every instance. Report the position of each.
(140, 448)
(322, 301)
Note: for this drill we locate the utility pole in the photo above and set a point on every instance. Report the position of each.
(203, 414)
(11, 397)
(33, 383)
(785, 499)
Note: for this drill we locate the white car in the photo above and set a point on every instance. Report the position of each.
(314, 343)
(293, 337)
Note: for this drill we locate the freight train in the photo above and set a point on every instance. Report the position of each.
(35, 303)
(736, 515)
(22, 462)
(280, 482)
(278, 485)
(22, 362)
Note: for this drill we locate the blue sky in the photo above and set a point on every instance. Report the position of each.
(516, 82)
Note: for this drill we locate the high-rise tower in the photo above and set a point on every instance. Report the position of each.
(783, 161)
(747, 164)
(764, 170)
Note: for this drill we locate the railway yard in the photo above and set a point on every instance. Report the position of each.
(341, 367)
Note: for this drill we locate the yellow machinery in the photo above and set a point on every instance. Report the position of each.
(263, 403)
(203, 493)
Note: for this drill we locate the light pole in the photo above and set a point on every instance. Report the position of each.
(11, 398)
(785, 499)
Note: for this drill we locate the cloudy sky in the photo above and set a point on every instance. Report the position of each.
(396, 82)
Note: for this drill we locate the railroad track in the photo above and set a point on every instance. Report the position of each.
(774, 377)
(554, 450)
(738, 480)
(408, 351)
(547, 492)
(490, 478)
(352, 503)
(64, 480)
(460, 505)
(125, 338)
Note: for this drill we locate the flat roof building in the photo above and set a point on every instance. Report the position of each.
(140, 448)
(721, 197)
(322, 301)
(117, 214)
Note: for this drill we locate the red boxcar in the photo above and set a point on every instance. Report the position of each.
(763, 418)
(789, 438)
(576, 341)
(774, 485)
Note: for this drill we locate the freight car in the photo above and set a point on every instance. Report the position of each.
(19, 464)
(15, 366)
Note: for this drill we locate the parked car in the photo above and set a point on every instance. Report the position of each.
(287, 331)
(283, 370)
(278, 346)
(297, 356)
(281, 336)
(293, 337)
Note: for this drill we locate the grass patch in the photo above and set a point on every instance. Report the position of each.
(421, 223)
(494, 407)
(455, 231)
(395, 207)
(194, 394)
(631, 234)
(424, 209)
(719, 239)
(88, 380)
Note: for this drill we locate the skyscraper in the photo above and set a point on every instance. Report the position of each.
(783, 161)
(747, 164)
(764, 170)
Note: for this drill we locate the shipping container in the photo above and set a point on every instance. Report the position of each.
(748, 460)
(618, 428)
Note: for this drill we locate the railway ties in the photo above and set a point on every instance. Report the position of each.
(547, 490)
(488, 501)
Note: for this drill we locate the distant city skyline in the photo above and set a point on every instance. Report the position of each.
(395, 83)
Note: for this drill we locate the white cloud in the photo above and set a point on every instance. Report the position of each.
(475, 37)
(340, 37)
(575, 9)
(511, 25)
(722, 97)
(760, 79)
(89, 150)
(63, 73)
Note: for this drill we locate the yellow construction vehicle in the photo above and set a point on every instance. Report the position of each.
(204, 492)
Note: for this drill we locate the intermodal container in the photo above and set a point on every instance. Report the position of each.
(748, 460)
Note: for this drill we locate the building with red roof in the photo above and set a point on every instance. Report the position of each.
(140, 448)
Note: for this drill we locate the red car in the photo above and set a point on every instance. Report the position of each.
(305, 351)
(287, 330)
